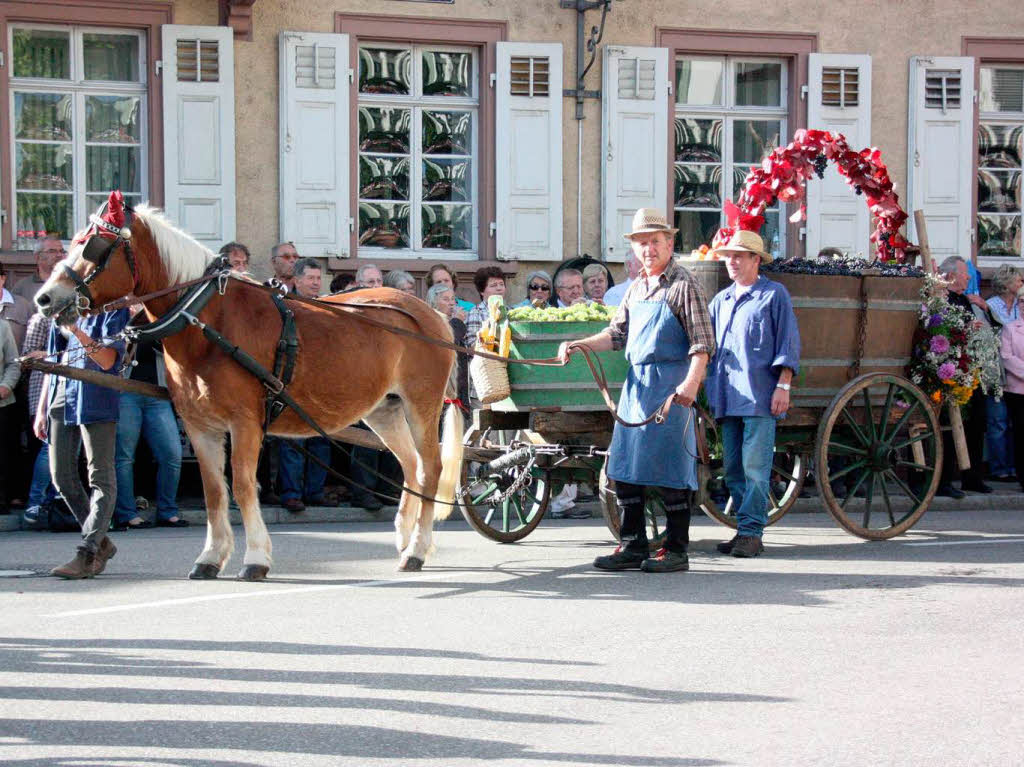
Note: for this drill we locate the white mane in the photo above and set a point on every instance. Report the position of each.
(184, 258)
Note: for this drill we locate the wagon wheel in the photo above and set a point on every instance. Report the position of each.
(881, 436)
(653, 509)
(512, 518)
(789, 468)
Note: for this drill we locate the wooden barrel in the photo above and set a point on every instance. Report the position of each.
(828, 311)
(845, 318)
(558, 388)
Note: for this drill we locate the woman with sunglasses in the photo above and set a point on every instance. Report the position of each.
(538, 287)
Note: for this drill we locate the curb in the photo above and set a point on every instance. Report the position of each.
(1003, 499)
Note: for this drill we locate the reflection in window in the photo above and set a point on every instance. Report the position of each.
(74, 145)
(1000, 151)
(729, 115)
(417, 140)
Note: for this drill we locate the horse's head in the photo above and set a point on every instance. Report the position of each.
(99, 268)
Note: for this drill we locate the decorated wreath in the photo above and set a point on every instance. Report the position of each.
(783, 176)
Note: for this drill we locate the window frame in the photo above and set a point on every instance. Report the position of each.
(80, 89)
(416, 102)
(794, 47)
(119, 15)
(484, 35)
(728, 113)
(986, 52)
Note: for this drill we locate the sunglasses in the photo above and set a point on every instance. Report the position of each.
(545, 288)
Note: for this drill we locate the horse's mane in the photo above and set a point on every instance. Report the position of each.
(184, 258)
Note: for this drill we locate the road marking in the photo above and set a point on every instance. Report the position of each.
(975, 542)
(257, 592)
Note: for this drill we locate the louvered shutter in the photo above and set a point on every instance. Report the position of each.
(528, 151)
(315, 88)
(839, 100)
(634, 167)
(199, 131)
(941, 151)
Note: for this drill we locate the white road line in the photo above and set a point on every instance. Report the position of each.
(974, 542)
(258, 591)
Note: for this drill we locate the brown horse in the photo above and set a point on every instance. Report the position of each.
(346, 371)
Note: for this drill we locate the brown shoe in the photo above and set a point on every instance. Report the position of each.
(293, 505)
(106, 551)
(79, 567)
(747, 546)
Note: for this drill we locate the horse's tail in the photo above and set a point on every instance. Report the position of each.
(451, 461)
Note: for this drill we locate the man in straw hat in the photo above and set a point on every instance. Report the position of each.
(749, 381)
(664, 326)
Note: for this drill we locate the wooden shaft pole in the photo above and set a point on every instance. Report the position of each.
(922, 241)
(963, 457)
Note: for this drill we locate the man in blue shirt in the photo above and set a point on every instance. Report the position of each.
(758, 352)
(73, 414)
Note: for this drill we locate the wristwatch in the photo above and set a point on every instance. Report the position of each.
(784, 387)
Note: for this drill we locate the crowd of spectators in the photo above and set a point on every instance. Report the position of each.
(36, 409)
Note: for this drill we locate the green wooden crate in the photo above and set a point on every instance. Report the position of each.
(558, 388)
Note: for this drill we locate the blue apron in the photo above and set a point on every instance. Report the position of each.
(657, 350)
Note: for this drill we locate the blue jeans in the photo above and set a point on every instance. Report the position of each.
(999, 438)
(41, 490)
(748, 443)
(153, 419)
(308, 484)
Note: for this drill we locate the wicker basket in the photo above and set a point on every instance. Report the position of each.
(490, 379)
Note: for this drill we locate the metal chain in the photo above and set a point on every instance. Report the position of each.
(862, 330)
(517, 485)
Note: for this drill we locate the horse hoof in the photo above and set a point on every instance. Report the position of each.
(203, 572)
(411, 565)
(253, 573)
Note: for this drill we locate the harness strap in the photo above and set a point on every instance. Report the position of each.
(284, 360)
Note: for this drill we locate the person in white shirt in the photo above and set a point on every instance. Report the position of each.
(614, 295)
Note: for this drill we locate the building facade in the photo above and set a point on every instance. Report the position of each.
(405, 133)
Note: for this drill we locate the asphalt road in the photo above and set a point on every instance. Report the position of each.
(827, 650)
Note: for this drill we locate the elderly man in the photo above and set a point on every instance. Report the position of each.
(237, 255)
(49, 251)
(369, 276)
(569, 287)
(957, 276)
(614, 295)
(307, 277)
(302, 480)
(664, 326)
(595, 282)
(282, 259)
(749, 382)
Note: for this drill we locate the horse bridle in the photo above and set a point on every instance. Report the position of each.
(98, 250)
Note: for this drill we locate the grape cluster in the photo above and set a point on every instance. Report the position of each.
(820, 163)
(840, 267)
(580, 312)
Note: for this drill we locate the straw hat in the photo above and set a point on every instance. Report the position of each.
(743, 241)
(647, 220)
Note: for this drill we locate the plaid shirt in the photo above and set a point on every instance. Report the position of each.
(35, 341)
(679, 288)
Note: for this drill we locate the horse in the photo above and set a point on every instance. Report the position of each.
(345, 370)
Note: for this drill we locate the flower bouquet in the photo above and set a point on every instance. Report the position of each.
(953, 352)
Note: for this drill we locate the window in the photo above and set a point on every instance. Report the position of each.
(1000, 135)
(417, 151)
(730, 112)
(79, 105)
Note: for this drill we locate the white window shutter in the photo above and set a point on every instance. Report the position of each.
(199, 131)
(528, 151)
(941, 152)
(635, 100)
(839, 100)
(315, 89)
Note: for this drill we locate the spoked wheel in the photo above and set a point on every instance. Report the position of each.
(654, 510)
(486, 503)
(878, 456)
(789, 470)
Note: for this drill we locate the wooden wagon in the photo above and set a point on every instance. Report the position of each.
(872, 436)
